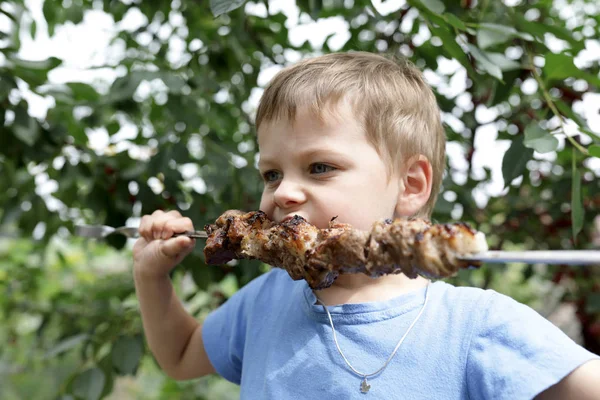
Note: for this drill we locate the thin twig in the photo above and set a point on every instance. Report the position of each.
(551, 104)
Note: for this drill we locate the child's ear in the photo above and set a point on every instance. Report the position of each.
(415, 186)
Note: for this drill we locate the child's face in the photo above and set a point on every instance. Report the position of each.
(320, 171)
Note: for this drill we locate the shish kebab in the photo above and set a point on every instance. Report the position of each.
(411, 246)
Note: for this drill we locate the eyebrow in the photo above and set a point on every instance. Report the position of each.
(316, 152)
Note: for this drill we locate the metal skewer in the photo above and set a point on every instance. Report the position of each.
(102, 231)
(572, 257)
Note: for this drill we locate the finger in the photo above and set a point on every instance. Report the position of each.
(172, 215)
(148, 224)
(177, 225)
(145, 228)
(176, 247)
(158, 221)
(138, 246)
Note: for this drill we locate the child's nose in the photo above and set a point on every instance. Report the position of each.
(289, 194)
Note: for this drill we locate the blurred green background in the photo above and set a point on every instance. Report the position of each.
(159, 115)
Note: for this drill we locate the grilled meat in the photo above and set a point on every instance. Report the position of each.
(410, 246)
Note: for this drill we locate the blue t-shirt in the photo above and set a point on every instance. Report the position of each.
(273, 340)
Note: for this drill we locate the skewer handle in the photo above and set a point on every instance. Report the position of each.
(193, 234)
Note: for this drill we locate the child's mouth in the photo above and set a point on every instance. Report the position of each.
(291, 217)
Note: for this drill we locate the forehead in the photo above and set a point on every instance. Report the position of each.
(331, 125)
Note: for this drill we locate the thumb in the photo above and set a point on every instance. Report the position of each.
(173, 250)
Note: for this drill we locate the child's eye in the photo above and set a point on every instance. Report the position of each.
(271, 176)
(319, 168)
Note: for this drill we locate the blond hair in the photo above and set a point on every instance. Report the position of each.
(396, 107)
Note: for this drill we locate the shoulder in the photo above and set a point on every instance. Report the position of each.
(462, 298)
(479, 301)
(253, 301)
(458, 292)
(514, 347)
(272, 286)
(488, 315)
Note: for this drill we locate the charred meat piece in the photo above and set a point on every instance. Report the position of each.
(410, 246)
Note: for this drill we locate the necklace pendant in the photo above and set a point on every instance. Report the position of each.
(364, 386)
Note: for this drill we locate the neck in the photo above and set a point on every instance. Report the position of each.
(360, 288)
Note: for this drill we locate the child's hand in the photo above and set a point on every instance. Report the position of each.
(156, 252)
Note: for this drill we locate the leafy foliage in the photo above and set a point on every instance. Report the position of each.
(180, 136)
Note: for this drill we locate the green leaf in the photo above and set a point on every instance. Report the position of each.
(105, 364)
(455, 22)
(485, 62)
(89, 384)
(219, 7)
(7, 83)
(594, 150)
(9, 15)
(173, 82)
(66, 344)
(539, 30)
(27, 134)
(50, 15)
(83, 91)
(25, 128)
(33, 29)
(591, 78)
(124, 87)
(491, 34)
(435, 6)
(533, 28)
(560, 66)
(539, 139)
(313, 8)
(515, 159)
(502, 90)
(451, 47)
(113, 127)
(503, 62)
(46, 65)
(126, 354)
(74, 14)
(576, 204)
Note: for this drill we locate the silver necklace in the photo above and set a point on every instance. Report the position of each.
(364, 385)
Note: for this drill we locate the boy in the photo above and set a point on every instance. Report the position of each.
(359, 137)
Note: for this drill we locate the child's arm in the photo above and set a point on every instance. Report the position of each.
(581, 384)
(174, 337)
